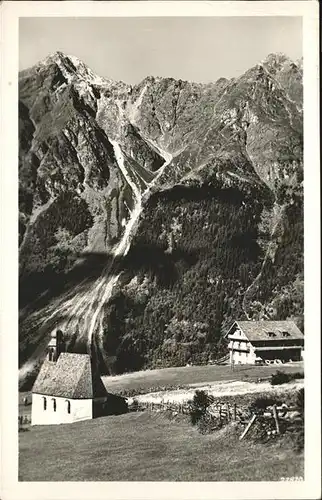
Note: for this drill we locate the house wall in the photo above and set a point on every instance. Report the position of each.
(80, 409)
(243, 357)
(241, 350)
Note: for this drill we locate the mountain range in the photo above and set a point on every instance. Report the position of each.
(151, 216)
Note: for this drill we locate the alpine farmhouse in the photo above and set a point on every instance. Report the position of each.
(251, 342)
(69, 388)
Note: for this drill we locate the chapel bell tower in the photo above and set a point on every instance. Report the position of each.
(56, 345)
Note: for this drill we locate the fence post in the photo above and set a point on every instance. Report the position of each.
(220, 414)
(250, 423)
(276, 419)
(228, 413)
(235, 412)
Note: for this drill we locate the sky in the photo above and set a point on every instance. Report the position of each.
(200, 49)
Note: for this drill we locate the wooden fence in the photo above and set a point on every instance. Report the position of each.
(224, 413)
(183, 408)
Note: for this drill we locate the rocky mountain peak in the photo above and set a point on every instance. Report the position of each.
(74, 69)
(277, 59)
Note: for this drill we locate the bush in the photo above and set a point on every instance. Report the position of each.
(297, 428)
(262, 430)
(299, 402)
(208, 424)
(261, 403)
(299, 440)
(198, 406)
(280, 378)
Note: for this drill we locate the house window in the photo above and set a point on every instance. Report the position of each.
(271, 334)
(45, 403)
(68, 406)
(54, 404)
(285, 334)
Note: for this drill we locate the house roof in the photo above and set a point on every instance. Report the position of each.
(277, 348)
(71, 376)
(259, 330)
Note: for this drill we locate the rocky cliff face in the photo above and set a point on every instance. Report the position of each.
(136, 200)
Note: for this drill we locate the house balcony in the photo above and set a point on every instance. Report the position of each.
(277, 348)
(242, 348)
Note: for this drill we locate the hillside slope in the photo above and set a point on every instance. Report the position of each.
(151, 216)
(169, 450)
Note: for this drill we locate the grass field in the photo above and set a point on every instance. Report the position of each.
(192, 375)
(148, 447)
(182, 377)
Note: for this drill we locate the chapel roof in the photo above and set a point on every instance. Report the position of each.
(72, 376)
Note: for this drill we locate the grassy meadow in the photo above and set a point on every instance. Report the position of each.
(190, 376)
(149, 447)
(184, 376)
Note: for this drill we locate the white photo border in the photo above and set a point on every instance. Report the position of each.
(11, 488)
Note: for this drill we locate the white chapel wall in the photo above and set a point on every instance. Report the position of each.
(80, 409)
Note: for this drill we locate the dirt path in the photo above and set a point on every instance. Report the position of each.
(219, 389)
